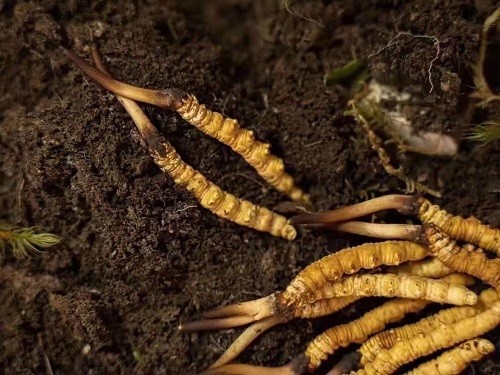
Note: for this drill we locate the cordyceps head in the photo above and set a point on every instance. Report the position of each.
(297, 366)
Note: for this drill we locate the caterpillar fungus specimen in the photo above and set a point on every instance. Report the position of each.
(340, 336)
(389, 285)
(469, 230)
(214, 124)
(209, 195)
(389, 360)
(387, 339)
(474, 262)
(301, 298)
(456, 360)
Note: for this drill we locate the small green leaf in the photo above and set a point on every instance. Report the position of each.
(346, 74)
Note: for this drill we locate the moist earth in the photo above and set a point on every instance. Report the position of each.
(138, 254)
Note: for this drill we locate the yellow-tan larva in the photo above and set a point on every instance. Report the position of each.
(474, 263)
(387, 339)
(429, 267)
(468, 230)
(348, 261)
(210, 196)
(218, 201)
(359, 330)
(388, 361)
(390, 285)
(242, 141)
(456, 360)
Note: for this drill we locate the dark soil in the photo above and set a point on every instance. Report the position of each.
(138, 254)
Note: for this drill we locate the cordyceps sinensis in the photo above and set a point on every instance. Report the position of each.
(387, 339)
(214, 124)
(340, 336)
(473, 262)
(445, 336)
(300, 299)
(208, 194)
(456, 360)
(469, 230)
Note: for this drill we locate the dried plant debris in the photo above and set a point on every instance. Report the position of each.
(24, 242)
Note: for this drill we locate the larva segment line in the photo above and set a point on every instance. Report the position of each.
(456, 360)
(387, 339)
(209, 195)
(348, 261)
(242, 141)
(390, 285)
(214, 124)
(359, 330)
(474, 263)
(469, 230)
(388, 361)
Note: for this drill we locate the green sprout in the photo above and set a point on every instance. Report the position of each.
(485, 132)
(346, 74)
(24, 242)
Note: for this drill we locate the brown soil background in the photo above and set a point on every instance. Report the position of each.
(138, 254)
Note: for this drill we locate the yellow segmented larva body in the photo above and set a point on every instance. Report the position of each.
(348, 261)
(242, 141)
(359, 330)
(389, 285)
(387, 339)
(323, 307)
(389, 360)
(469, 230)
(218, 201)
(474, 263)
(456, 360)
(430, 267)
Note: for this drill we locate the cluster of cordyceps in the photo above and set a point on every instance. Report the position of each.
(424, 265)
(435, 268)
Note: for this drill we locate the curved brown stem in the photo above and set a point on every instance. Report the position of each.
(234, 315)
(246, 338)
(403, 203)
(297, 366)
(386, 231)
(168, 98)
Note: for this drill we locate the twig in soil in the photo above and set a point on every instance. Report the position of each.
(290, 9)
(209, 195)
(376, 144)
(407, 33)
(214, 124)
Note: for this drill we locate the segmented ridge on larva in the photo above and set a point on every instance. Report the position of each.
(469, 230)
(242, 141)
(348, 261)
(220, 202)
